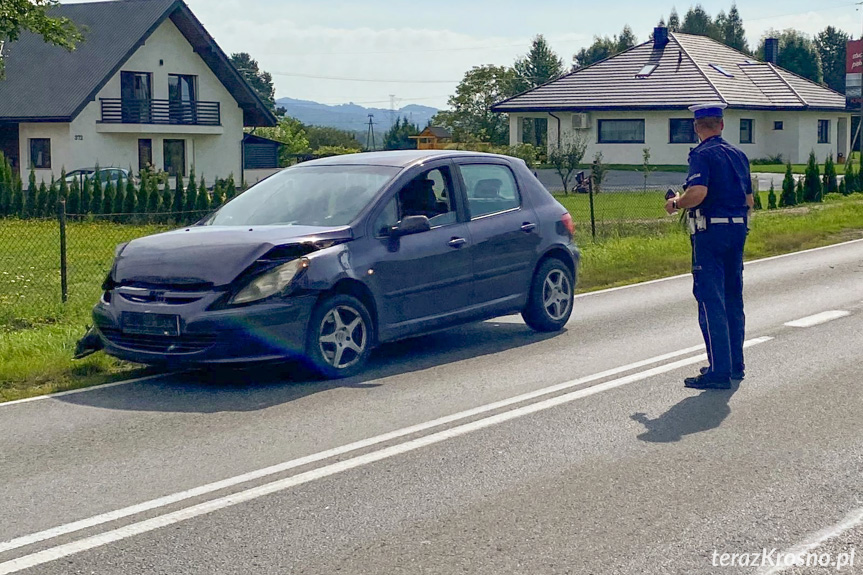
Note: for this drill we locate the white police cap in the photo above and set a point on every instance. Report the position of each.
(709, 110)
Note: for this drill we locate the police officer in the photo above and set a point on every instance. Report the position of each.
(718, 197)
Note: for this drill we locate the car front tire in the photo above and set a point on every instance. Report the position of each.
(550, 302)
(339, 336)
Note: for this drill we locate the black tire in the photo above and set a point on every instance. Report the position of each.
(324, 346)
(537, 314)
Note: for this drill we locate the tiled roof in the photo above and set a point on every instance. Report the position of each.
(689, 70)
(45, 82)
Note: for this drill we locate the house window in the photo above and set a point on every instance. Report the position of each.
(182, 96)
(681, 131)
(823, 131)
(145, 153)
(136, 97)
(722, 70)
(746, 131)
(778, 126)
(621, 131)
(175, 157)
(40, 153)
(647, 71)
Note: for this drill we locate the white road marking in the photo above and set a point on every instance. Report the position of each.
(111, 536)
(581, 295)
(818, 318)
(362, 444)
(815, 540)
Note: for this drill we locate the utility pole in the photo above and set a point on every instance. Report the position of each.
(392, 110)
(370, 135)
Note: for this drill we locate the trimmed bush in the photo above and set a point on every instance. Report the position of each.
(789, 194)
(108, 198)
(202, 203)
(812, 190)
(771, 198)
(131, 200)
(96, 200)
(191, 194)
(831, 183)
(73, 202)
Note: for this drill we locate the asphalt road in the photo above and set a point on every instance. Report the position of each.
(485, 449)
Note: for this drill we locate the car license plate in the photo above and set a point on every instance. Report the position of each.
(151, 324)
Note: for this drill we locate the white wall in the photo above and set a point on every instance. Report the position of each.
(794, 141)
(81, 144)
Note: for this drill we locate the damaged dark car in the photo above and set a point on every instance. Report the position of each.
(327, 259)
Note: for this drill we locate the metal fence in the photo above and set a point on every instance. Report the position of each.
(50, 261)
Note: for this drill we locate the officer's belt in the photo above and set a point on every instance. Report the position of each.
(727, 220)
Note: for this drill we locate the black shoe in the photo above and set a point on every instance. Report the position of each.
(735, 375)
(707, 382)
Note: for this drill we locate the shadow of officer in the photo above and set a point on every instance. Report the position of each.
(695, 414)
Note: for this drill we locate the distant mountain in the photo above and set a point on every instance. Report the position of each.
(353, 117)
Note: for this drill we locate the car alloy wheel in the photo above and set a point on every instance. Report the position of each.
(343, 337)
(556, 294)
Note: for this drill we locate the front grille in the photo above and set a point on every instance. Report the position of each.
(157, 297)
(186, 343)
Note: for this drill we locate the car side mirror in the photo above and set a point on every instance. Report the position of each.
(410, 225)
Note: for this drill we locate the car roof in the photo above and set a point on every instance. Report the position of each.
(396, 158)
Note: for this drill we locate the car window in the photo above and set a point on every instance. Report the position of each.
(429, 194)
(491, 188)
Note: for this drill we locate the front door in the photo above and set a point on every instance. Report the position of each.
(423, 280)
(175, 157)
(504, 233)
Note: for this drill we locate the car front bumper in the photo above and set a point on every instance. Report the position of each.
(268, 331)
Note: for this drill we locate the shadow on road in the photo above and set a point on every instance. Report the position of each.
(258, 388)
(695, 414)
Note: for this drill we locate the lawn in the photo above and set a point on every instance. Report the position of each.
(38, 333)
(801, 168)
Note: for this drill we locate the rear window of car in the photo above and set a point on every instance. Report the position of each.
(491, 188)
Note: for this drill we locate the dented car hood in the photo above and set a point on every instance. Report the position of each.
(213, 255)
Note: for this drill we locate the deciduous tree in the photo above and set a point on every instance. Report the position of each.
(831, 44)
(17, 16)
(260, 81)
(797, 53)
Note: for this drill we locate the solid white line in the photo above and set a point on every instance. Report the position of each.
(337, 451)
(815, 540)
(581, 295)
(84, 389)
(147, 525)
(818, 318)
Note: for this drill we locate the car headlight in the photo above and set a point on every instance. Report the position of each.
(271, 282)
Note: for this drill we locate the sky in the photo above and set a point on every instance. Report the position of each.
(366, 51)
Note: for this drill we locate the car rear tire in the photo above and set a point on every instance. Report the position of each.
(549, 304)
(339, 336)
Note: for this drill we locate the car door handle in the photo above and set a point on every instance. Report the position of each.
(456, 242)
(528, 227)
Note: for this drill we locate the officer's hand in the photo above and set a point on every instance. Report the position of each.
(669, 204)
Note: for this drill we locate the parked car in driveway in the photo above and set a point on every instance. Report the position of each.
(105, 174)
(329, 258)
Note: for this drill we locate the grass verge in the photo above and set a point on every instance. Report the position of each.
(37, 337)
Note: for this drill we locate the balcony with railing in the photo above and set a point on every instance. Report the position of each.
(160, 112)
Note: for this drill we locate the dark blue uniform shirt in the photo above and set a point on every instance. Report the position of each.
(725, 171)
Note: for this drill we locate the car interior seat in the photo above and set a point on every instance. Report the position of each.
(487, 189)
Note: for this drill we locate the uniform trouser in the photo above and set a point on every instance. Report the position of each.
(717, 271)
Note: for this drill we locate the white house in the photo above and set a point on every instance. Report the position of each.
(148, 85)
(638, 99)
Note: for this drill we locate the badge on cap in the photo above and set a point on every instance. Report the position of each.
(711, 110)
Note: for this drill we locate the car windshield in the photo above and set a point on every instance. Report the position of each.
(306, 195)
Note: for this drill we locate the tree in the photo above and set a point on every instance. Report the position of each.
(119, 198)
(831, 181)
(202, 203)
(178, 203)
(218, 195)
(800, 192)
(599, 170)
(260, 81)
(318, 136)
(697, 21)
(154, 198)
(797, 53)
(850, 179)
(230, 188)
(64, 186)
(398, 137)
(604, 47)
(17, 16)
(191, 194)
(731, 31)
(291, 133)
(842, 188)
(141, 197)
(96, 198)
(30, 202)
(108, 197)
(566, 158)
(469, 116)
(789, 194)
(41, 195)
(53, 198)
(673, 21)
(539, 66)
(130, 204)
(831, 45)
(646, 168)
(771, 198)
(756, 197)
(73, 203)
(86, 195)
(812, 181)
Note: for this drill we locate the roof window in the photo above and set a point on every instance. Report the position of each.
(722, 70)
(647, 71)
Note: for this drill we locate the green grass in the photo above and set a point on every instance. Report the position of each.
(38, 333)
(801, 168)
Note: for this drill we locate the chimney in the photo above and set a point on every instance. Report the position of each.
(771, 50)
(660, 37)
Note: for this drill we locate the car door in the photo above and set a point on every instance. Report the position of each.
(504, 233)
(424, 280)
